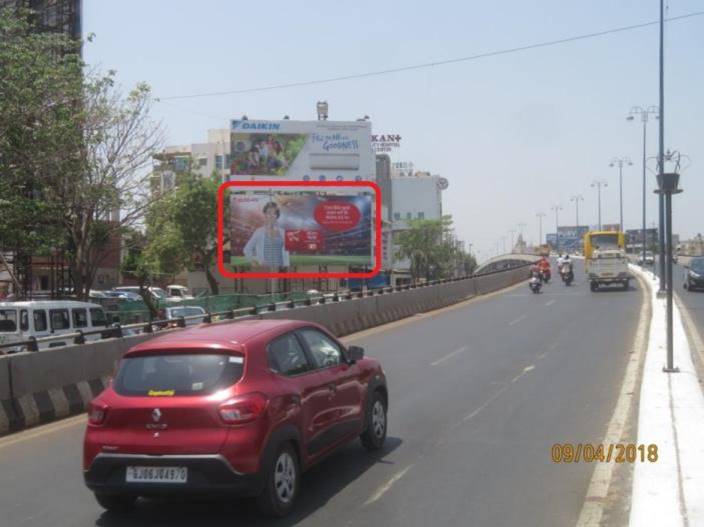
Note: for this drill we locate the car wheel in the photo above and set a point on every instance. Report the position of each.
(374, 435)
(281, 483)
(117, 503)
(625, 285)
(593, 286)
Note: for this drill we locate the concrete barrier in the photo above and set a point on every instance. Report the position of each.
(39, 387)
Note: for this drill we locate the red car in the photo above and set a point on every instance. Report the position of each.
(238, 409)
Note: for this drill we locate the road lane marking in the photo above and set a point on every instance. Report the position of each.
(595, 500)
(550, 302)
(542, 355)
(44, 430)
(386, 486)
(352, 337)
(449, 355)
(522, 317)
(486, 403)
(528, 368)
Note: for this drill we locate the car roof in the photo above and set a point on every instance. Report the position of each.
(48, 304)
(233, 335)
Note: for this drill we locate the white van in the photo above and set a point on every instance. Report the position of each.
(44, 318)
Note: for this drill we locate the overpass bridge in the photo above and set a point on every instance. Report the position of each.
(504, 261)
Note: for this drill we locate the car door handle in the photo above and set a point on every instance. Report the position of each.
(332, 388)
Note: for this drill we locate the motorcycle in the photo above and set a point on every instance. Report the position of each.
(567, 274)
(535, 283)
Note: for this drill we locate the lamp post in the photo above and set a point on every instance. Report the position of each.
(598, 184)
(557, 209)
(511, 232)
(619, 162)
(667, 186)
(540, 216)
(577, 198)
(661, 145)
(644, 113)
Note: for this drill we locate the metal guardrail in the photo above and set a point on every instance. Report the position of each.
(118, 331)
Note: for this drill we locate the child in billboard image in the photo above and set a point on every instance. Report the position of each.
(266, 246)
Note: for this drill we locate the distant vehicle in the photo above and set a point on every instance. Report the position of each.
(535, 282)
(239, 409)
(157, 293)
(648, 259)
(605, 259)
(694, 274)
(178, 292)
(43, 318)
(185, 311)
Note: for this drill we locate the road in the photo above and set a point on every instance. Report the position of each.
(478, 394)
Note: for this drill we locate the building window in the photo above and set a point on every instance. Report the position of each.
(421, 215)
(397, 216)
(180, 163)
(409, 215)
(202, 162)
(218, 162)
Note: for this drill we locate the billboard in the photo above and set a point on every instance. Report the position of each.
(301, 150)
(293, 228)
(568, 238)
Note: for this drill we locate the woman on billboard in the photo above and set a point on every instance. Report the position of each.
(267, 245)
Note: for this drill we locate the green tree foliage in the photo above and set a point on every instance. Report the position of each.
(40, 91)
(432, 250)
(75, 152)
(188, 219)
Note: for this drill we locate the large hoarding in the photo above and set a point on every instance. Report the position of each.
(297, 229)
(568, 238)
(301, 150)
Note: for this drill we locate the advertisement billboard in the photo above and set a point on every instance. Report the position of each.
(568, 238)
(301, 150)
(292, 229)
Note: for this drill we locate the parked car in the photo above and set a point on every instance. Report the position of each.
(43, 318)
(232, 409)
(647, 259)
(157, 292)
(185, 311)
(694, 274)
(178, 292)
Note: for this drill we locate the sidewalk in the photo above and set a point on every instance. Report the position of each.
(670, 491)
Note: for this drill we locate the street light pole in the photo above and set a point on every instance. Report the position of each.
(577, 198)
(619, 162)
(540, 216)
(557, 209)
(644, 113)
(661, 152)
(511, 232)
(598, 184)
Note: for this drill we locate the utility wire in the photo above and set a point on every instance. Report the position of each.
(431, 64)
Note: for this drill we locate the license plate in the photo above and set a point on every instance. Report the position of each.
(156, 474)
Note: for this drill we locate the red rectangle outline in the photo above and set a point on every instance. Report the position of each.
(377, 227)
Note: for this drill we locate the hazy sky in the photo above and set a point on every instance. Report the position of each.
(515, 134)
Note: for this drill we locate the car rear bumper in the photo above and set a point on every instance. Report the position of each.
(619, 278)
(207, 474)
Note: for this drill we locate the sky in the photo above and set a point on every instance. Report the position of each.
(515, 134)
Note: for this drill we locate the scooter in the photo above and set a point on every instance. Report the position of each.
(535, 283)
(567, 274)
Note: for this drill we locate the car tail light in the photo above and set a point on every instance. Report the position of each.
(244, 409)
(96, 413)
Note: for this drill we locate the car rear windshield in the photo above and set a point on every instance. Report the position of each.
(178, 374)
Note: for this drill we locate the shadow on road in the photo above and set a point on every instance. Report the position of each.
(318, 486)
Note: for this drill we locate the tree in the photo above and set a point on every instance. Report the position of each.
(190, 212)
(75, 152)
(40, 88)
(431, 249)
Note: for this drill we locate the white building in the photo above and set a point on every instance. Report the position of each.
(414, 195)
(210, 156)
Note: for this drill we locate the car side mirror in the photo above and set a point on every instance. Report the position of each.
(355, 353)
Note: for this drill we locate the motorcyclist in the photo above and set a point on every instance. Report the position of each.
(560, 261)
(544, 268)
(566, 267)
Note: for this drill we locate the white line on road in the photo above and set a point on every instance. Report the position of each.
(542, 355)
(449, 355)
(528, 368)
(522, 317)
(550, 302)
(386, 486)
